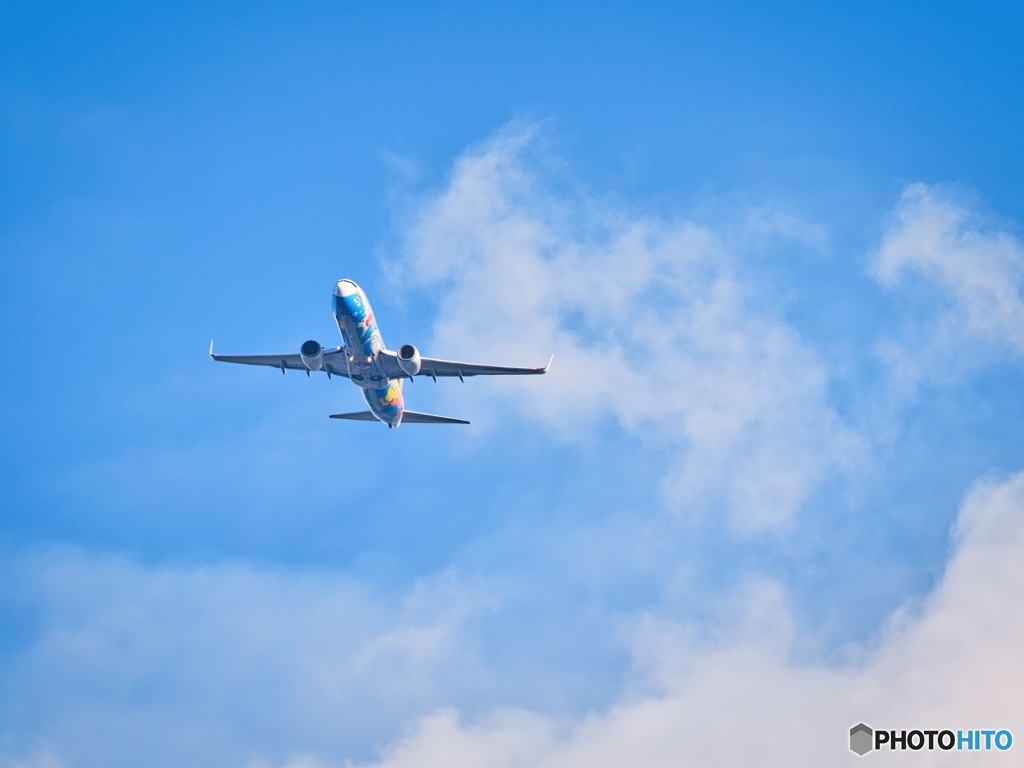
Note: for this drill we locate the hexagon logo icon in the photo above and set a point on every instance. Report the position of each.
(861, 739)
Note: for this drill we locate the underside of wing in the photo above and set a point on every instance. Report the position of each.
(334, 361)
(433, 367)
(293, 362)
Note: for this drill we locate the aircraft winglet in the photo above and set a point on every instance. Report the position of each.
(214, 357)
(542, 370)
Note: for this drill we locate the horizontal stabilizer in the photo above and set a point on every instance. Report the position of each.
(412, 417)
(357, 416)
(408, 417)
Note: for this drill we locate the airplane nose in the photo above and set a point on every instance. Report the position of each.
(345, 288)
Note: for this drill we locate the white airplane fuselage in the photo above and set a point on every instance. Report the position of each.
(362, 340)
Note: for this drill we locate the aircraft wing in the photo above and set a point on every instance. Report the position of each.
(431, 366)
(334, 361)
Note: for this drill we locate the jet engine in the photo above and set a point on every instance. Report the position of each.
(312, 355)
(409, 359)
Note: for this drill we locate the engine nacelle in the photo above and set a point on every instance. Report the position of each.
(409, 359)
(312, 355)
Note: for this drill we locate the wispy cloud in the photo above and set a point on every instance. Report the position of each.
(41, 757)
(236, 657)
(978, 270)
(651, 323)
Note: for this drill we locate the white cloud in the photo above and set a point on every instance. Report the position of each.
(38, 758)
(202, 665)
(979, 269)
(953, 661)
(650, 323)
(233, 666)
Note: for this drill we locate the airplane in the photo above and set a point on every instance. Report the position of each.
(366, 362)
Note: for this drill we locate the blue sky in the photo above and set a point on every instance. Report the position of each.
(776, 251)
